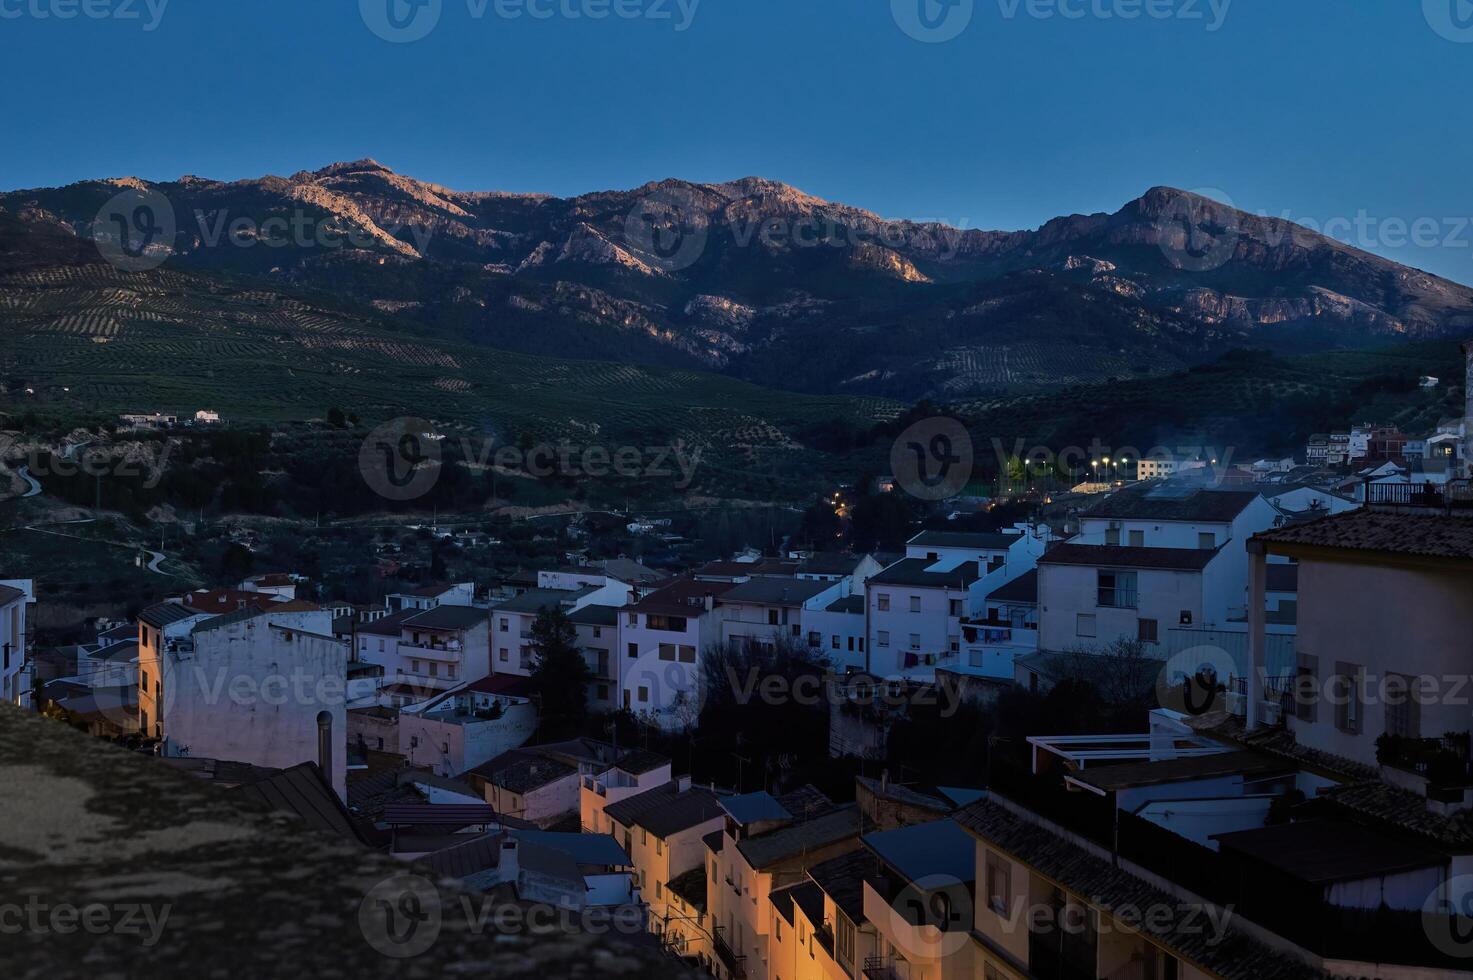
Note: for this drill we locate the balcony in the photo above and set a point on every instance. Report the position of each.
(1455, 495)
(735, 965)
(886, 968)
(1443, 762)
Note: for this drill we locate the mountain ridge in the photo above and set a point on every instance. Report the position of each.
(766, 282)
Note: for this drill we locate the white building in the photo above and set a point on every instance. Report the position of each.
(427, 650)
(915, 607)
(837, 632)
(468, 726)
(766, 611)
(512, 621)
(15, 596)
(430, 596)
(662, 637)
(1091, 596)
(260, 687)
(1163, 467)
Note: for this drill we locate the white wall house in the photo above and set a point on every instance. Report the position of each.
(661, 640)
(512, 619)
(432, 649)
(466, 727)
(837, 632)
(766, 610)
(914, 608)
(1091, 596)
(430, 596)
(251, 687)
(15, 596)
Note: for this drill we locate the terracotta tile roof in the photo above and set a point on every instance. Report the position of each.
(1365, 530)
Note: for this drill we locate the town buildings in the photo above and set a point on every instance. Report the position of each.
(15, 596)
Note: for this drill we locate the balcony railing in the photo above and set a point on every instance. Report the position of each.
(735, 964)
(886, 968)
(1454, 495)
(1443, 762)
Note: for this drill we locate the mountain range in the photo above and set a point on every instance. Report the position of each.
(757, 280)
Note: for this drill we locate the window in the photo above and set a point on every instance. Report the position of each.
(644, 694)
(883, 638)
(598, 631)
(1206, 541)
(657, 888)
(772, 617)
(915, 603)
(414, 666)
(1084, 625)
(835, 644)
(1148, 631)
(844, 940)
(882, 602)
(1403, 712)
(633, 650)
(915, 641)
(1346, 694)
(667, 651)
(503, 655)
(687, 654)
(1137, 539)
(505, 625)
(999, 884)
(602, 692)
(659, 846)
(1112, 536)
(1117, 590)
(954, 608)
(644, 837)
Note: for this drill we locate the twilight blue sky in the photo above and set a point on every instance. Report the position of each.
(1315, 110)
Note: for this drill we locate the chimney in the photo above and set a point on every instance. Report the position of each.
(710, 602)
(509, 864)
(324, 744)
